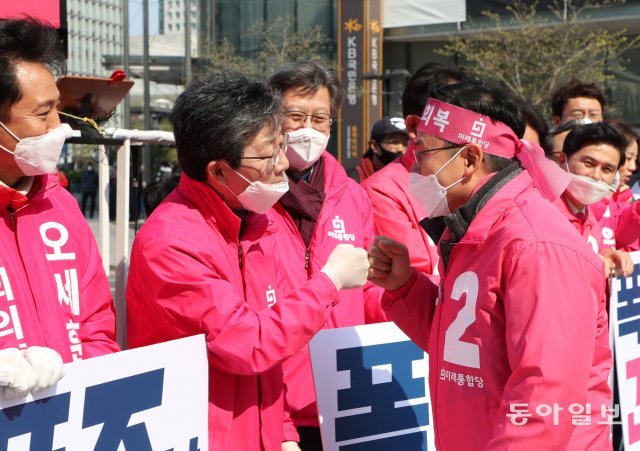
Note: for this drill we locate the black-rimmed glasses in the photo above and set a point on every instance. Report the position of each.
(421, 154)
(275, 156)
(321, 120)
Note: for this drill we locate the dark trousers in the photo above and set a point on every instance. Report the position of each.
(310, 439)
(91, 197)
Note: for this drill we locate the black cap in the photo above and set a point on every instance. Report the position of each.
(387, 125)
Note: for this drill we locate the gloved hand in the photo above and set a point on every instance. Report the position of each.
(347, 266)
(289, 446)
(17, 376)
(47, 364)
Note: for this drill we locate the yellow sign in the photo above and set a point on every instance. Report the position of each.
(352, 25)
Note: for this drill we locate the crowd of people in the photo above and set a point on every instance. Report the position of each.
(486, 237)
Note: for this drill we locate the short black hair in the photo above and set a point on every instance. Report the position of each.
(562, 127)
(534, 119)
(596, 133)
(155, 192)
(425, 80)
(490, 100)
(216, 117)
(25, 40)
(575, 88)
(309, 76)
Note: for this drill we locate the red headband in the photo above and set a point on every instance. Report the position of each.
(461, 126)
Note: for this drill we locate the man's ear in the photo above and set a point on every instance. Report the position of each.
(556, 120)
(562, 159)
(412, 122)
(373, 145)
(473, 159)
(215, 172)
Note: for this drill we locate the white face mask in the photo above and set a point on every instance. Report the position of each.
(260, 197)
(38, 155)
(429, 193)
(305, 147)
(586, 190)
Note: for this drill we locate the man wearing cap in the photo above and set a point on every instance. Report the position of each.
(517, 329)
(389, 140)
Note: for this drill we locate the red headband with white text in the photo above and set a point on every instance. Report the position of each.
(461, 126)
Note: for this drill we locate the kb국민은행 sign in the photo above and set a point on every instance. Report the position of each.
(152, 398)
(360, 32)
(372, 389)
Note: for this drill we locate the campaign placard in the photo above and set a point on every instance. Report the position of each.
(372, 389)
(625, 322)
(151, 398)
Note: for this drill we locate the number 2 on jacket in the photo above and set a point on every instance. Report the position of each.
(456, 351)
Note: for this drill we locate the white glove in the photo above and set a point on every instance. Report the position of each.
(289, 446)
(347, 266)
(17, 376)
(47, 364)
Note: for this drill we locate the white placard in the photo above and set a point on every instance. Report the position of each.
(406, 13)
(372, 389)
(625, 322)
(151, 398)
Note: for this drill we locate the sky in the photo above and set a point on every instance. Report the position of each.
(135, 17)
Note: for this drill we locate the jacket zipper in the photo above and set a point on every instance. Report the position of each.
(240, 255)
(12, 218)
(307, 259)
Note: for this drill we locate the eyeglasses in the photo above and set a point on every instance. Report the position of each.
(275, 156)
(421, 154)
(593, 116)
(319, 120)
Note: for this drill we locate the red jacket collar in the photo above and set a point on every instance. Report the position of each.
(218, 214)
(10, 199)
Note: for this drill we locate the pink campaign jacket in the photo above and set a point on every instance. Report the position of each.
(192, 272)
(607, 211)
(53, 289)
(518, 324)
(397, 214)
(628, 228)
(345, 218)
(619, 218)
(587, 225)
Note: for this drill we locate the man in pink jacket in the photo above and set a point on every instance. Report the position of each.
(396, 213)
(209, 261)
(55, 302)
(517, 329)
(322, 209)
(592, 154)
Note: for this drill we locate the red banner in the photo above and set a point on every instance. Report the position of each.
(45, 10)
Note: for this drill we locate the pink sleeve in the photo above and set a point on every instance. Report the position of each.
(412, 307)
(187, 296)
(551, 329)
(290, 433)
(373, 312)
(97, 315)
(390, 219)
(628, 229)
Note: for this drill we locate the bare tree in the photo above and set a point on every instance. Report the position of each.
(534, 51)
(277, 45)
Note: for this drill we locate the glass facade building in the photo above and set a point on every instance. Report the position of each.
(407, 48)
